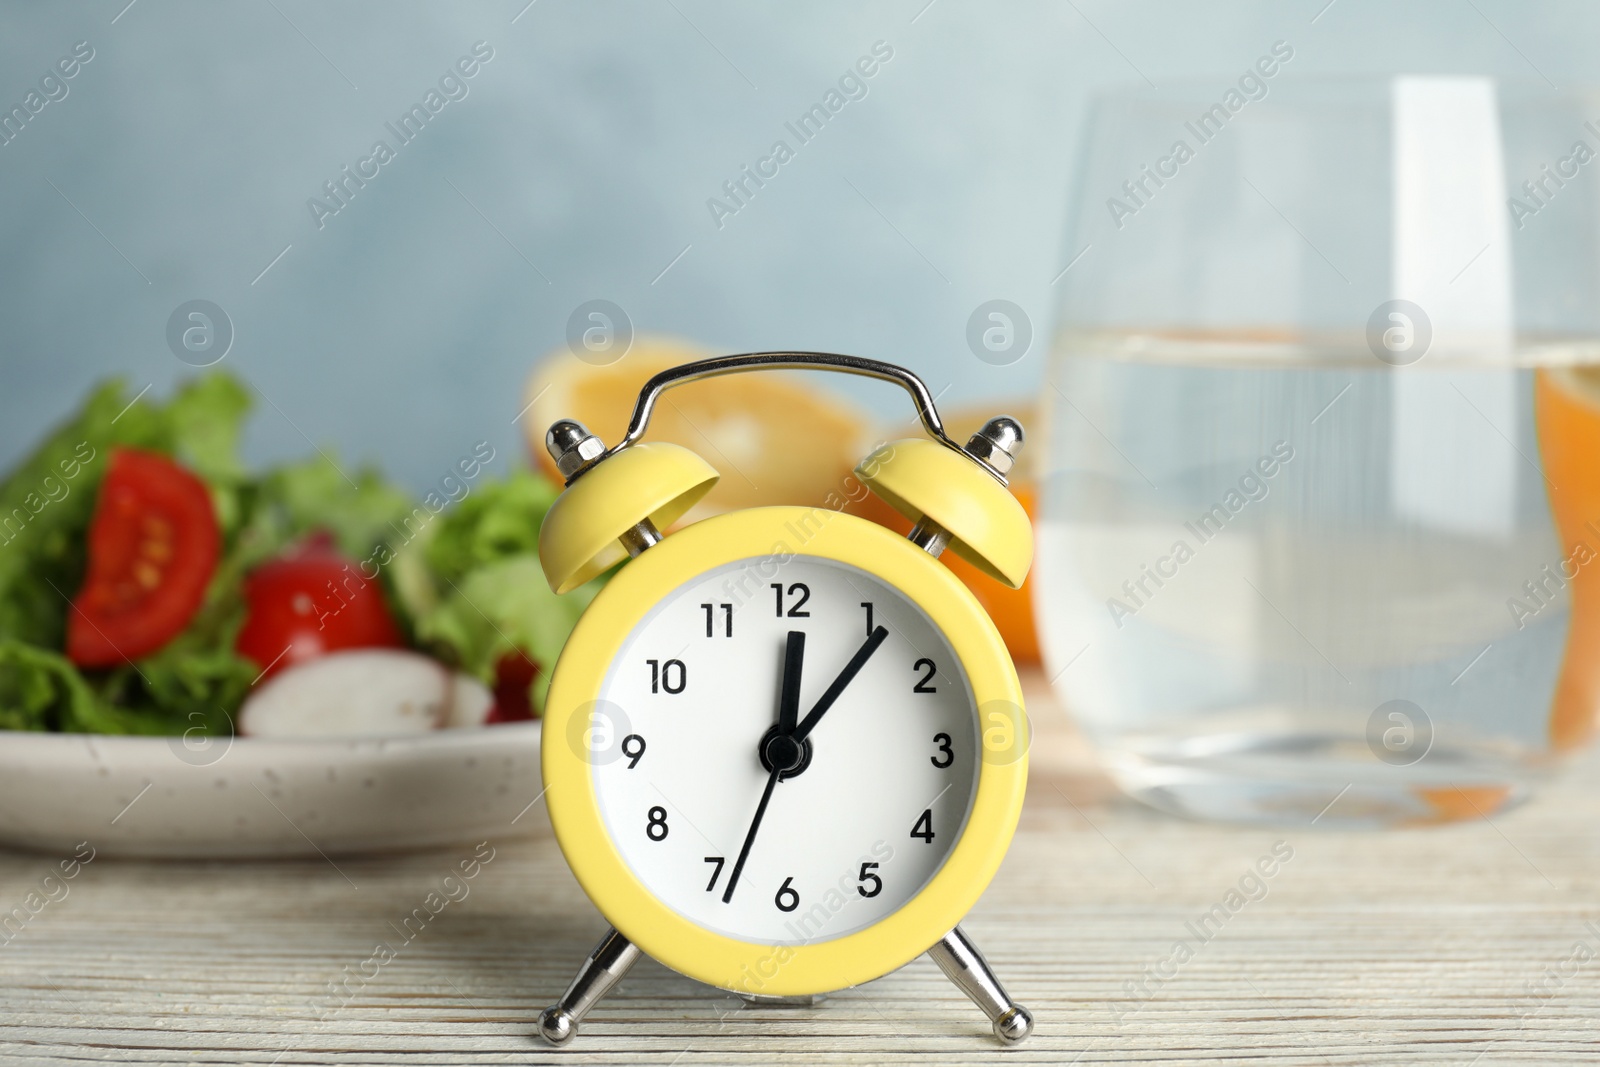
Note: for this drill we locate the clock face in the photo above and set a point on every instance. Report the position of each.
(858, 815)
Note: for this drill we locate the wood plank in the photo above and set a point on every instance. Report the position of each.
(1437, 945)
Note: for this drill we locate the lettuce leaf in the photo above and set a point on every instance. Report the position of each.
(45, 505)
(41, 690)
(360, 512)
(500, 608)
(187, 686)
(203, 421)
(497, 521)
(490, 597)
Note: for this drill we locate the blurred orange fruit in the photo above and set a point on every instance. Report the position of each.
(1567, 413)
(1011, 609)
(1456, 803)
(775, 439)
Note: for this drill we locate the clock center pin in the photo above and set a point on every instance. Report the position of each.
(782, 753)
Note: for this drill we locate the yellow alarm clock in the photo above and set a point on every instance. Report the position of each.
(784, 748)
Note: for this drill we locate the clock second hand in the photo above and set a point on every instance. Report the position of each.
(787, 711)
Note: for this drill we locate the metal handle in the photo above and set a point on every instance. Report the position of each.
(719, 365)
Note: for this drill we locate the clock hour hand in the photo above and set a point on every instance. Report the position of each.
(846, 676)
(794, 651)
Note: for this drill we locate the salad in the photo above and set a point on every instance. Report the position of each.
(151, 584)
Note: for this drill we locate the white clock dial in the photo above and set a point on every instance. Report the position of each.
(848, 838)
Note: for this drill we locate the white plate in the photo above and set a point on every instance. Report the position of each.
(163, 797)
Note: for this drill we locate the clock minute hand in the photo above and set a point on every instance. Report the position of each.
(846, 676)
(750, 837)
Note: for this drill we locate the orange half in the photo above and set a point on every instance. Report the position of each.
(774, 438)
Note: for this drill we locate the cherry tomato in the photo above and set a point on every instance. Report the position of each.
(153, 546)
(309, 603)
(513, 674)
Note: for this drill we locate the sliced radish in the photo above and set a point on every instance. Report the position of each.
(363, 693)
(470, 702)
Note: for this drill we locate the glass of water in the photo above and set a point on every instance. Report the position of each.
(1321, 532)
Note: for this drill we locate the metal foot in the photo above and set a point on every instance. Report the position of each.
(610, 960)
(964, 965)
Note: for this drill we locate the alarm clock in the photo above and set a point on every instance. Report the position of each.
(784, 748)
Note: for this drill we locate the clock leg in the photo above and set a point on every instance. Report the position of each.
(610, 960)
(964, 965)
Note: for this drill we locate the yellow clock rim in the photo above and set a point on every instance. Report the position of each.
(677, 942)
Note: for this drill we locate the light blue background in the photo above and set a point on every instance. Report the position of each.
(404, 330)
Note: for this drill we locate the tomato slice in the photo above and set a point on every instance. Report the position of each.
(307, 604)
(513, 674)
(153, 546)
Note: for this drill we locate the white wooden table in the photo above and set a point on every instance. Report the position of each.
(1463, 944)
